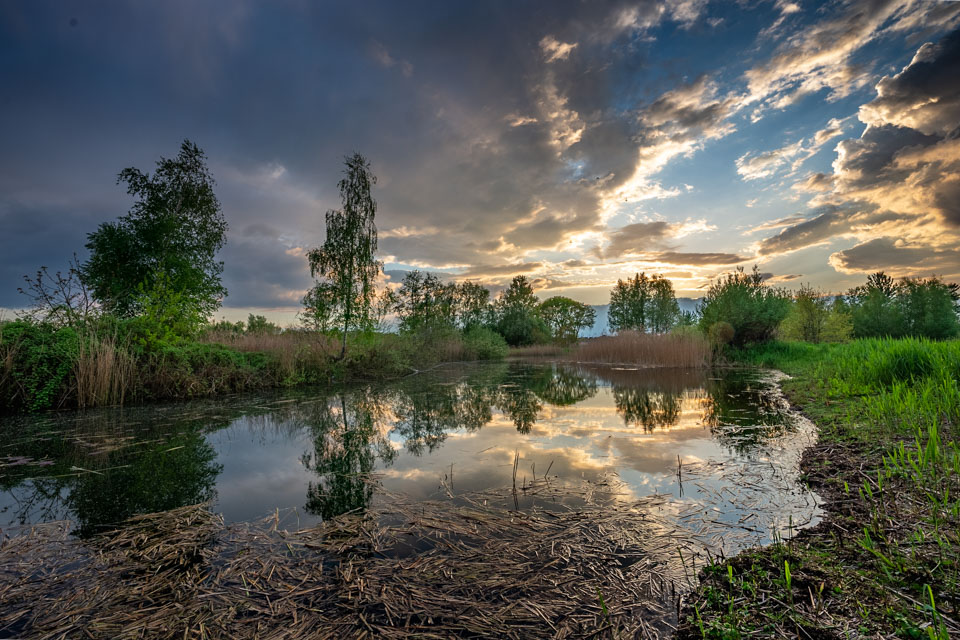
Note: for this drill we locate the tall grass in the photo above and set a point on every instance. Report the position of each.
(8, 359)
(295, 352)
(649, 349)
(103, 371)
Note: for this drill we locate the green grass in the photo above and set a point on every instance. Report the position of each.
(886, 560)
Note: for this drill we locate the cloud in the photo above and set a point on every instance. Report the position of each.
(822, 55)
(764, 165)
(379, 53)
(899, 178)
(696, 259)
(554, 50)
(495, 270)
(776, 224)
(637, 238)
(924, 96)
(897, 258)
(753, 166)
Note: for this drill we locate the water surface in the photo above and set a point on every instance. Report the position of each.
(721, 448)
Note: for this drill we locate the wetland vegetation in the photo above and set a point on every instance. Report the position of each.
(416, 471)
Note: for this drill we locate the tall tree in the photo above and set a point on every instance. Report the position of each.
(664, 310)
(643, 303)
(517, 318)
(472, 305)
(168, 240)
(424, 302)
(347, 262)
(566, 317)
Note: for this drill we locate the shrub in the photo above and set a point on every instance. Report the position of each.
(521, 328)
(813, 318)
(38, 365)
(749, 306)
(481, 343)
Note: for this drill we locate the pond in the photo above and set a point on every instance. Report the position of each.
(508, 499)
(721, 445)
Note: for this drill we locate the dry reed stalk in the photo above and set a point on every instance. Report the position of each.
(291, 348)
(650, 349)
(8, 357)
(405, 569)
(103, 372)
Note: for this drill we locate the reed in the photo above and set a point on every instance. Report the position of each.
(103, 371)
(648, 349)
(295, 351)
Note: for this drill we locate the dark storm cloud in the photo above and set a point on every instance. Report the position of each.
(898, 258)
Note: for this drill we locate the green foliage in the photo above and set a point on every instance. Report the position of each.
(912, 307)
(347, 262)
(423, 303)
(173, 232)
(517, 319)
(37, 361)
(260, 325)
(566, 317)
(472, 305)
(813, 318)
(749, 306)
(320, 310)
(643, 304)
(521, 328)
(481, 343)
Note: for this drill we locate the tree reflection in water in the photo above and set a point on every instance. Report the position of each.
(347, 438)
(649, 409)
(100, 468)
(102, 474)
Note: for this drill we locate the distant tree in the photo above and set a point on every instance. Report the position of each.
(929, 308)
(517, 319)
(629, 304)
(566, 317)
(425, 302)
(172, 233)
(664, 310)
(874, 308)
(472, 305)
(643, 303)
(812, 318)
(260, 325)
(740, 308)
(346, 262)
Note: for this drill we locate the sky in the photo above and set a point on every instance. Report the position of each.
(572, 142)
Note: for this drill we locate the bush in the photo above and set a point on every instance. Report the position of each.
(38, 365)
(521, 328)
(481, 343)
(814, 318)
(749, 306)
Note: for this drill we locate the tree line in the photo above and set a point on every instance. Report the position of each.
(158, 263)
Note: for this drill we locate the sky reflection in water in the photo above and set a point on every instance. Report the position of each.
(456, 429)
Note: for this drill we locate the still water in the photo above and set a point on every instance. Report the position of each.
(721, 448)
